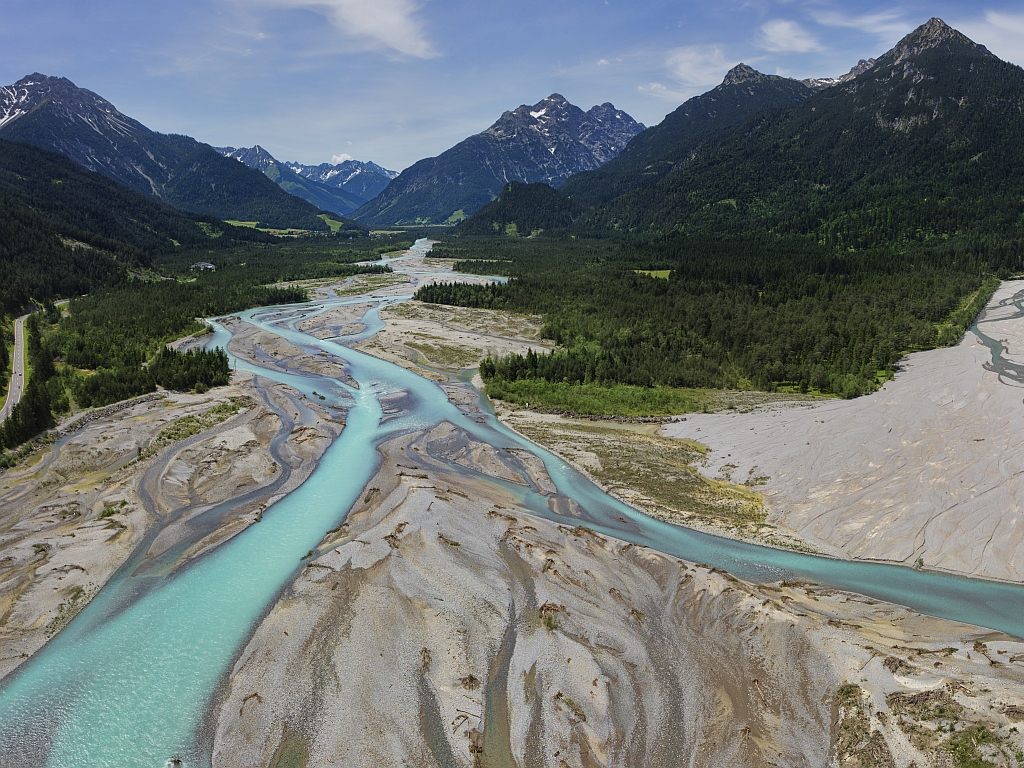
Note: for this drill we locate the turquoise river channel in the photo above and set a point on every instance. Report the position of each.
(131, 680)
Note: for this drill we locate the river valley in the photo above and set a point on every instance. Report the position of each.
(441, 591)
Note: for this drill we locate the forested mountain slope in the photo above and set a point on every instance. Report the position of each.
(928, 143)
(89, 207)
(54, 114)
(809, 247)
(522, 209)
(654, 152)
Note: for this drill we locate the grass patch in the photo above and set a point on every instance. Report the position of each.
(249, 224)
(592, 399)
(209, 229)
(661, 274)
(188, 426)
(963, 746)
(370, 282)
(446, 355)
(334, 225)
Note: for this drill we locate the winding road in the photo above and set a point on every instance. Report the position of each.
(17, 386)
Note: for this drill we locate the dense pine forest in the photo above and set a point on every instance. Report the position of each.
(759, 312)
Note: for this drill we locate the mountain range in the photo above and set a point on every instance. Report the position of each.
(362, 179)
(922, 147)
(654, 152)
(54, 114)
(65, 230)
(334, 199)
(930, 138)
(547, 142)
(337, 188)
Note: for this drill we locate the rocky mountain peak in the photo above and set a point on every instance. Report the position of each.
(935, 33)
(859, 68)
(545, 142)
(254, 157)
(741, 73)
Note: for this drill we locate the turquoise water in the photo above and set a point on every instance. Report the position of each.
(129, 681)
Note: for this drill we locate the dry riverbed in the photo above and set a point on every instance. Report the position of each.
(73, 512)
(445, 625)
(929, 468)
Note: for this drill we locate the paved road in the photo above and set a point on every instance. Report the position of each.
(17, 388)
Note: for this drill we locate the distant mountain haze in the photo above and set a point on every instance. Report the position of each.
(54, 114)
(335, 199)
(547, 142)
(365, 180)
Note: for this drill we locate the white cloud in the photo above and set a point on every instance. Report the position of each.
(602, 62)
(889, 25)
(698, 65)
(341, 158)
(382, 24)
(1002, 33)
(661, 92)
(789, 36)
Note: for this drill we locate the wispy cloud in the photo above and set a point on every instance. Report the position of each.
(698, 65)
(888, 25)
(787, 36)
(662, 92)
(381, 24)
(1000, 32)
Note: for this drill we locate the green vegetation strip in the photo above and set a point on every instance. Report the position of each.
(187, 426)
(591, 399)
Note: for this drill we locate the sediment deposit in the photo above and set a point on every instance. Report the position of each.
(930, 467)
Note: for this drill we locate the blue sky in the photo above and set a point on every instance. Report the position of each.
(396, 80)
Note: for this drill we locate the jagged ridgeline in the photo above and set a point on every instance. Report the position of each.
(54, 114)
(928, 143)
(522, 209)
(655, 152)
(326, 197)
(547, 142)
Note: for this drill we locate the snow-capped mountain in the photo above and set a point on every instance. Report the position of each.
(328, 198)
(366, 180)
(54, 114)
(255, 157)
(859, 68)
(546, 142)
(574, 140)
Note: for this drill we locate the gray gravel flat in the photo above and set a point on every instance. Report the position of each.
(930, 467)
